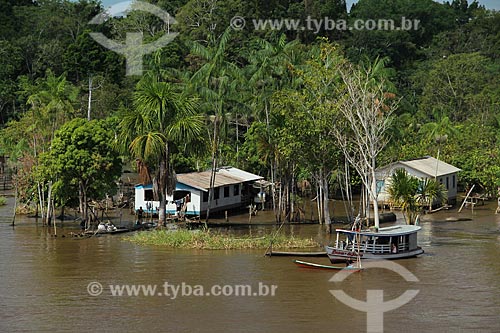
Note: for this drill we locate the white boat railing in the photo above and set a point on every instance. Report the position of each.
(375, 248)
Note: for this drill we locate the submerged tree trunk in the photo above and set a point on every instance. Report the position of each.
(273, 191)
(54, 217)
(292, 196)
(162, 214)
(41, 201)
(280, 199)
(166, 184)
(273, 168)
(49, 201)
(326, 206)
(82, 197)
(215, 147)
(15, 207)
(319, 202)
(373, 194)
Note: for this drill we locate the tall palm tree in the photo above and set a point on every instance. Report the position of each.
(270, 69)
(164, 118)
(217, 81)
(52, 102)
(437, 132)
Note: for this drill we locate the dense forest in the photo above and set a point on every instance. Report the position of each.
(267, 101)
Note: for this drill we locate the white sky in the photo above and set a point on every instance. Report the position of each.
(489, 4)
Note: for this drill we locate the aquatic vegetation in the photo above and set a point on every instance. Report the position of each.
(3, 201)
(188, 239)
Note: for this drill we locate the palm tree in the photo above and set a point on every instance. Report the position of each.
(54, 99)
(217, 81)
(52, 102)
(164, 118)
(431, 191)
(438, 132)
(402, 192)
(270, 69)
(411, 194)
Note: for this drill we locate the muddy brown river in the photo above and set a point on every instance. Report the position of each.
(49, 284)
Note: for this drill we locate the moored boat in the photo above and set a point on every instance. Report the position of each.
(307, 264)
(394, 242)
(295, 254)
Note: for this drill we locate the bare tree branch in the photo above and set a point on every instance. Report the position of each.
(361, 129)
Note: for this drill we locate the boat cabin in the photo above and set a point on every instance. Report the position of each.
(233, 188)
(387, 243)
(388, 240)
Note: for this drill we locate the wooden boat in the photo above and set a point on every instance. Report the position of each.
(306, 264)
(296, 254)
(395, 242)
(118, 230)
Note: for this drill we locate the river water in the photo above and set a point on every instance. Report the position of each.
(44, 283)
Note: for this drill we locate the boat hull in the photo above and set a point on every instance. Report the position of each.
(313, 265)
(295, 254)
(338, 255)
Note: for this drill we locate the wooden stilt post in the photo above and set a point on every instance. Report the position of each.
(15, 207)
(466, 197)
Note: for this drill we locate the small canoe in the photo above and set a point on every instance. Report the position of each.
(296, 254)
(306, 264)
(118, 230)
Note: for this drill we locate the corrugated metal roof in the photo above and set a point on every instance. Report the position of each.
(240, 174)
(431, 166)
(224, 176)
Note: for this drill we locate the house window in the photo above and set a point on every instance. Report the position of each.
(205, 196)
(453, 181)
(216, 193)
(440, 180)
(447, 183)
(148, 195)
(380, 185)
(236, 190)
(226, 191)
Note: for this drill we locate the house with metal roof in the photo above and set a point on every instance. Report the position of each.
(233, 188)
(422, 168)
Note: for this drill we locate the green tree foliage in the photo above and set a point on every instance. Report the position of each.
(10, 64)
(262, 93)
(460, 86)
(302, 121)
(401, 46)
(82, 162)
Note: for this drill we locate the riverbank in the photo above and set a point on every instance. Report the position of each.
(209, 240)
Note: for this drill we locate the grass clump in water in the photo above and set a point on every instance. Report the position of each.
(3, 201)
(205, 239)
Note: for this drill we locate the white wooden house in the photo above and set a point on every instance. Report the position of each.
(422, 168)
(233, 189)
